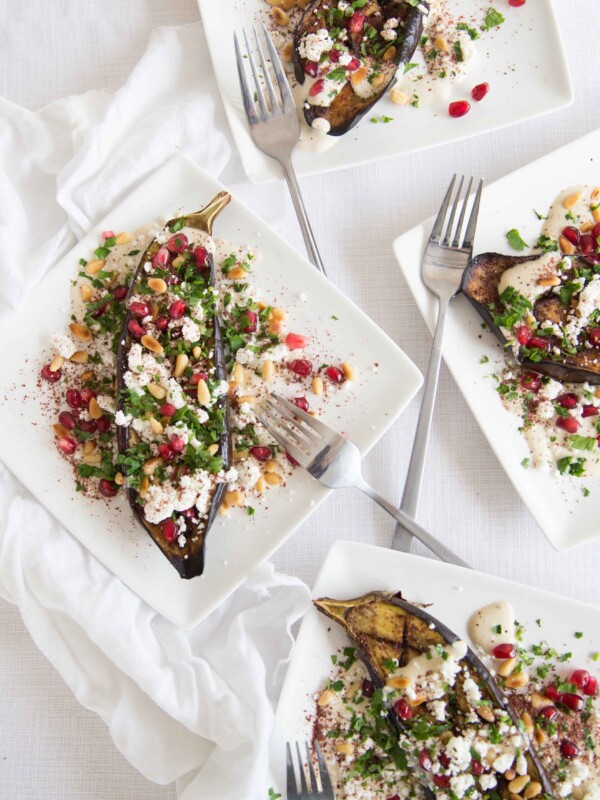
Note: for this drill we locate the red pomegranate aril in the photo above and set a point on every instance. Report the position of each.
(140, 309)
(568, 400)
(572, 235)
(73, 397)
(595, 231)
(312, 68)
(425, 761)
(177, 309)
(172, 279)
(539, 343)
(580, 677)
(593, 336)
(67, 420)
(593, 258)
(252, 318)
(99, 311)
(103, 424)
(119, 292)
(108, 488)
(197, 377)
(66, 445)
(504, 651)
(402, 708)
(162, 323)
(88, 425)
(335, 375)
(165, 452)
(589, 411)
(531, 381)
(87, 394)
(572, 701)
(516, 3)
(394, 797)
(549, 713)
(591, 689)
(353, 65)
(444, 760)
(523, 334)
(568, 749)
(301, 366)
(552, 693)
(169, 530)
(50, 376)
(261, 453)
(162, 258)
(459, 108)
(294, 463)
(317, 87)
(357, 22)
(177, 243)
(108, 234)
(568, 424)
(368, 688)
(189, 513)
(295, 341)
(334, 57)
(200, 256)
(300, 402)
(479, 92)
(476, 767)
(441, 781)
(587, 244)
(177, 443)
(167, 410)
(135, 329)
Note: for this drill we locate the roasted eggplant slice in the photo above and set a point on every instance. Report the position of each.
(575, 363)
(173, 432)
(352, 55)
(412, 657)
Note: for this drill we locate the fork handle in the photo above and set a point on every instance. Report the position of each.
(309, 239)
(440, 550)
(412, 486)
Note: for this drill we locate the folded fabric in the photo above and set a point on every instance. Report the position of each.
(193, 706)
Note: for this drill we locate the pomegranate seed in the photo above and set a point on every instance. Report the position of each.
(135, 329)
(580, 678)
(165, 452)
(572, 701)
(425, 760)
(394, 797)
(312, 68)
(357, 22)
(568, 749)
(596, 231)
(301, 366)
(169, 530)
(531, 381)
(66, 445)
(119, 292)
(568, 400)
(479, 92)
(162, 258)
(295, 341)
(589, 411)
(459, 108)
(67, 420)
(294, 463)
(504, 651)
(552, 692)
(444, 760)
(593, 258)
(335, 375)
(177, 309)
(50, 376)
(87, 394)
(197, 377)
(177, 243)
(572, 235)
(549, 713)
(523, 334)
(568, 424)
(261, 453)
(317, 87)
(593, 336)
(108, 234)
(88, 425)
(140, 309)
(539, 343)
(591, 689)
(108, 488)
(162, 323)
(587, 244)
(99, 311)
(200, 256)
(353, 65)
(177, 443)
(516, 3)
(167, 410)
(368, 688)
(103, 424)
(300, 402)
(172, 279)
(402, 708)
(73, 397)
(189, 513)
(334, 56)
(476, 767)
(441, 781)
(252, 318)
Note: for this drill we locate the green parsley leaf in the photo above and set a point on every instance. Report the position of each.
(515, 240)
(492, 19)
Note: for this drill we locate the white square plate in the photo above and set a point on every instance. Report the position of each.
(523, 61)
(557, 503)
(352, 569)
(237, 544)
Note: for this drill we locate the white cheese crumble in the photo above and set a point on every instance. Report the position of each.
(313, 45)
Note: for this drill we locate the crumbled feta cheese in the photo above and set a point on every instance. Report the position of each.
(458, 751)
(175, 394)
(438, 709)
(64, 345)
(313, 45)
(123, 419)
(503, 762)
(460, 783)
(190, 331)
(106, 403)
(487, 782)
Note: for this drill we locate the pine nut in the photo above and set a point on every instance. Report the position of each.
(94, 267)
(345, 748)
(486, 713)
(540, 736)
(287, 5)
(247, 398)
(273, 479)
(155, 425)
(517, 680)
(358, 76)
(154, 310)
(268, 370)
(234, 498)
(596, 214)
(123, 238)
(586, 227)
(317, 385)
(540, 701)
(261, 305)
(566, 246)
(377, 81)
(274, 2)
(238, 273)
(56, 363)
(79, 357)
(349, 371)
(399, 97)
(532, 790)
(223, 509)
(119, 479)
(401, 682)
(527, 721)
(416, 701)
(518, 784)
(275, 326)
(595, 194)
(86, 292)
(87, 375)
(239, 374)
(441, 43)
(281, 18)
(203, 393)
(150, 343)
(213, 449)
(325, 697)
(181, 363)
(196, 352)
(156, 390)
(241, 455)
(144, 485)
(389, 54)
(157, 285)
(270, 465)
(93, 459)
(95, 411)
(152, 465)
(80, 331)
(260, 485)
(89, 447)
(553, 281)
(60, 430)
(510, 774)
(507, 667)
(278, 313)
(570, 201)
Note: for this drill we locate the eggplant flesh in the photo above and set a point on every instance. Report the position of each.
(189, 560)
(348, 107)
(480, 286)
(387, 629)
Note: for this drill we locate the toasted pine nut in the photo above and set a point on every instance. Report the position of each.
(60, 430)
(597, 393)
(87, 375)
(179, 261)
(554, 280)
(157, 285)
(154, 308)
(181, 363)
(349, 371)
(155, 425)
(224, 509)
(268, 370)
(203, 393)
(540, 736)
(247, 398)
(595, 193)
(358, 76)
(156, 390)
(273, 479)
(389, 54)
(238, 273)
(196, 351)
(399, 97)
(86, 292)
(56, 363)
(213, 449)
(401, 682)
(287, 5)
(519, 783)
(517, 680)
(93, 267)
(80, 331)
(441, 43)
(275, 326)
(486, 713)
(241, 455)
(151, 465)
(93, 459)
(239, 374)
(270, 465)
(377, 81)
(596, 214)
(79, 357)
(119, 479)
(570, 201)
(317, 385)
(527, 722)
(89, 447)
(540, 701)
(510, 774)
(234, 498)
(345, 748)
(123, 238)
(144, 484)
(586, 227)
(281, 18)
(150, 343)
(416, 701)
(274, 2)
(507, 667)
(260, 485)
(287, 53)
(278, 313)
(261, 305)
(95, 411)
(532, 790)
(326, 697)
(566, 246)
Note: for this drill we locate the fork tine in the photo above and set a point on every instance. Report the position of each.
(446, 241)
(258, 88)
(288, 434)
(303, 785)
(311, 770)
(266, 76)
(282, 81)
(471, 227)
(311, 422)
(438, 225)
(249, 106)
(461, 219)
(292, 419)
(292, 786)
(323, 771)
(288, 446)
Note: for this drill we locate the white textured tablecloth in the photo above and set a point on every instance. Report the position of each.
(50, 747)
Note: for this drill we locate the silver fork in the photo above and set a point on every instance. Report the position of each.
(275, 126)
(306, 791)
(444, 261)
(333, 461)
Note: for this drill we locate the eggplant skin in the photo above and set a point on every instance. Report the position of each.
(383, 626)
(347, 109)
(480, 286)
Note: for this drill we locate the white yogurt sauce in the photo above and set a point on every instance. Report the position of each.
(492, 625)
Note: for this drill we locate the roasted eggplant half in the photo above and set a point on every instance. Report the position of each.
(351, 56)
(554, 340)
(173, 433)
(404, 648)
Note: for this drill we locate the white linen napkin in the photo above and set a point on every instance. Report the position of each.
(195, 707)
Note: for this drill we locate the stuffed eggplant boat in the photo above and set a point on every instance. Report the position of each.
(173, 434)
(457, 733)
(350, 52)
